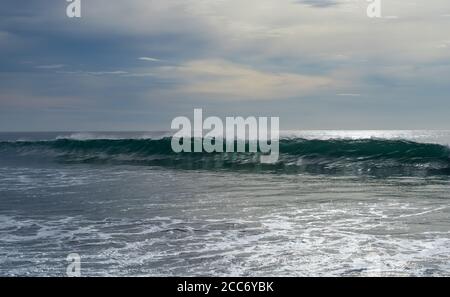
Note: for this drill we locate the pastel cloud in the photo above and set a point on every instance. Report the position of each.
(220, 79)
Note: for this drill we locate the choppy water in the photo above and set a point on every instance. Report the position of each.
(351, 211)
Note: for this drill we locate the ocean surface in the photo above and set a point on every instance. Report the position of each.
(337, 203)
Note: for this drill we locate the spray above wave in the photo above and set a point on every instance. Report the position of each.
(333, 156)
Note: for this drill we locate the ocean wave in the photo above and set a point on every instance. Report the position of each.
(296, 155)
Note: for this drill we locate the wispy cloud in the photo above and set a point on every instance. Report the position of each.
(117, 72)
(97, 73)
(319, 3)
(349, 94)
(149, 59)
(52, 66)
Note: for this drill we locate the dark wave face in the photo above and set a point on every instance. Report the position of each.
(378, 157)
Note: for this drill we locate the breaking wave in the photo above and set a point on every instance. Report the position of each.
(333, 156)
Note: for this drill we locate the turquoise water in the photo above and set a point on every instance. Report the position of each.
(337, 203)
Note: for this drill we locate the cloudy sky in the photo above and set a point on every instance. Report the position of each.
(136, 64)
